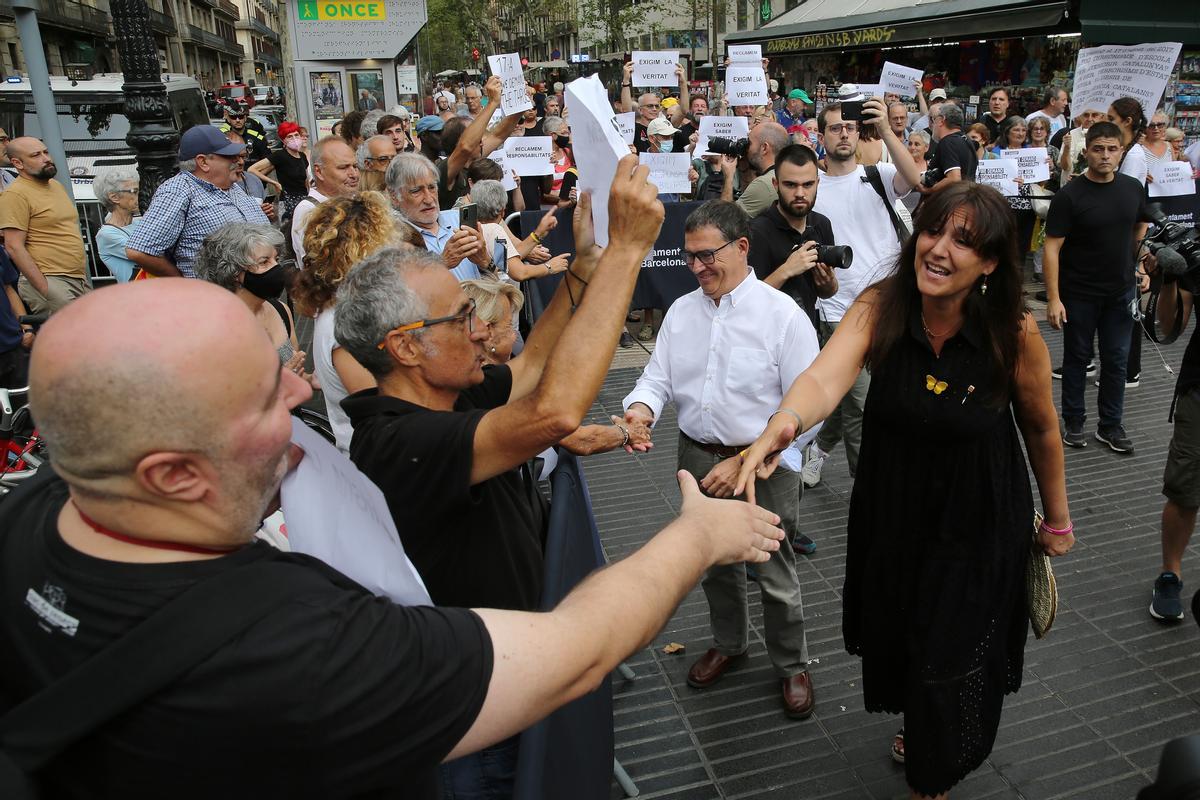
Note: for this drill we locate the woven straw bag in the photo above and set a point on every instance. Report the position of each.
(1040, 588)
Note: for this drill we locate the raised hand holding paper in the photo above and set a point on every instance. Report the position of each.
(899, 79)
(1171, 179)
(598, 145)
(627, 124)
(1000, 174)
(655, 68)
(1031, 163)
(529, 155)
(725, 127)
(500, 157)
(513, 97)
(745, 81)
(668, 171)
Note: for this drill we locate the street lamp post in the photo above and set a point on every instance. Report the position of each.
(152, 133)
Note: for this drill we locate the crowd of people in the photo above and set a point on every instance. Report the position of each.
(855, 285)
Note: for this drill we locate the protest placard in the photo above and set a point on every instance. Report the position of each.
(725, 127)
(513, 97)
(655, 68)
(1103, 74)
(871, 89)
(1000, 174)
(900, 79)
(745, 81)
(626, 123)
(1032, 166)
(500, 157)
(529, 155)
(1171, 179)
(598, 145)
(745, 54)
(668, 171)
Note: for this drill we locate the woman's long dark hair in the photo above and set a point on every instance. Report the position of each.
(1129, 108)
(993, 235)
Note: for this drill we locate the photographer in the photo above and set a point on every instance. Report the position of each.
(784, 239)
(955, 158)
(765, 142)
(860, 204)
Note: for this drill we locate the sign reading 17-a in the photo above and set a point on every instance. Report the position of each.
(333, 11)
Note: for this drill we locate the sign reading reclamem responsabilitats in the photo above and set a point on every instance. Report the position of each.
(354, 29)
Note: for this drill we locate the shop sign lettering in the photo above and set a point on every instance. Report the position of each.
(831, 40)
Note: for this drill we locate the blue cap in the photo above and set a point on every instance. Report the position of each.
(206, 140)
(430, 122)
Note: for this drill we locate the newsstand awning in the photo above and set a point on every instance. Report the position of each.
(1122, 22)
(825, 25)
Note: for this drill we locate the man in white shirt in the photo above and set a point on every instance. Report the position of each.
(335, 173)
(726, 353)
(1054, 107)
(863, 219)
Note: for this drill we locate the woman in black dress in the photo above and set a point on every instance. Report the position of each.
(941, 513)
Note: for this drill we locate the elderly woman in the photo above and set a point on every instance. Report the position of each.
(942, 512)
(508, 254)
(563, 159)
(117, 191)
(497, 304)
(340, 232)
(918, 148)
(244, 259)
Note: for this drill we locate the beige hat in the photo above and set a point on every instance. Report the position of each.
(660, 127)
(937, 94)
(774, 85)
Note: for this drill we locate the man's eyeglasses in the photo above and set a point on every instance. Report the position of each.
(848, 127)
(1157, 125)
(379, 159)
(706, 257)
(467, 315)
(652, 106)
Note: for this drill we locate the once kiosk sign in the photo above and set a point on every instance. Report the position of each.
(354, 29)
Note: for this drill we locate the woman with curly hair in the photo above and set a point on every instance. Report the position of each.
(340, 232)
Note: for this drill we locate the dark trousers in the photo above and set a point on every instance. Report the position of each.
(1109, 319)
(489, 774)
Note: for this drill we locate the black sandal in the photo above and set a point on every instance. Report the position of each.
(898, 747)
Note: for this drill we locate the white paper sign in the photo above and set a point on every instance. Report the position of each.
(500, 157)
(746, 85)
(1103, 74)
(871, 89)
(655, 68)
(900, 79)
(668, 171)
(407, 79)
(598, 145)
(921, 123)
(1031, 163)
(745, 54)
(725, 127)
(627, 123)
(1171, 178)
(513, 97)
(1000, 174)
(336, 514)
(529, 155)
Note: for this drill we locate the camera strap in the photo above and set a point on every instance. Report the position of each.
(876, 180)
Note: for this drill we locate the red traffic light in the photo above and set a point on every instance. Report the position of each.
(475, 53)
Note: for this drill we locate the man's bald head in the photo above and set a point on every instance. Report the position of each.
(22, 145)
(108, 387)
(30, 157)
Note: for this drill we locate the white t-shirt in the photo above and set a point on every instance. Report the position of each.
(300, 222)
(1056, 123)
(861, 220)
(332, 387)
(1135, 164)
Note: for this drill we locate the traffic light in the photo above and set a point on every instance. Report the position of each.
(475, 54)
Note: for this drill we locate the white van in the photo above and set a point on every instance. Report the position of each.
(91, 116)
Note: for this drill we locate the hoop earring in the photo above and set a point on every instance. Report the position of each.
(983, 286)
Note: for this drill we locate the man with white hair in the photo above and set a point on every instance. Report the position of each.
(374, 155)
(412, 183)
(188, 207)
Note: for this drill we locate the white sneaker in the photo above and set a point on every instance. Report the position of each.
(814, 460)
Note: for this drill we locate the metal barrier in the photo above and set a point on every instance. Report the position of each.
(91, 218)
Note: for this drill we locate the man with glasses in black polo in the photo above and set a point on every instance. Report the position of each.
(726, 353)
(239, 128)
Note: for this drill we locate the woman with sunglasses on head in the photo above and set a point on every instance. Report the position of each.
(1155, 145)
(941, 513)
(289, 165)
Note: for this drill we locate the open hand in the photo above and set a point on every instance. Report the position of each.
(730, 530)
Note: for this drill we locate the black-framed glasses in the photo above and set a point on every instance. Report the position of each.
(849, 127)
(467, 315)
(706, 257)
(378, 159)
(1157, 125)
(237, 116)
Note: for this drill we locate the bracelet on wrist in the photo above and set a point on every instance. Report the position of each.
(1057, 531)
(535, 237)
(624, 432)
(799, 422)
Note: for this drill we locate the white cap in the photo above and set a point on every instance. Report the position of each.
(660, 127)
(937, 94)
(774, 85)
(849, 91)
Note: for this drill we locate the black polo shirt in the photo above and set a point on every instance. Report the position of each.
(474, 546)
(772, 240)
(955, 150)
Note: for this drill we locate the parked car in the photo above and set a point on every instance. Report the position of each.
(261, 93)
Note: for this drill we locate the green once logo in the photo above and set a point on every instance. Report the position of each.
(334, 11)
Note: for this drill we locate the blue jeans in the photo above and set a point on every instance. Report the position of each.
(1110, 318)
(489, 774)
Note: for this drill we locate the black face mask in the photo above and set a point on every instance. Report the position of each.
(266, 285)
(562, 141)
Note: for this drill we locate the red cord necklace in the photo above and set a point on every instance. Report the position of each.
(120, 537)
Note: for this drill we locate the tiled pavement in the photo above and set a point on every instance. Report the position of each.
(1101, 694)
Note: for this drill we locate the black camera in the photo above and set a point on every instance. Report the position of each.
(838, 256)
(1177, 247)
(738, 148)
(932, 176)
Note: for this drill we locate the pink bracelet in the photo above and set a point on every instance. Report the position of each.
(1055, 531)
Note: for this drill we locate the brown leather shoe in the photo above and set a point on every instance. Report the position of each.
(798, 696)
(709, 668)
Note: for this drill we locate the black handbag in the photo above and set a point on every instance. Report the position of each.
(149, 658)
